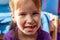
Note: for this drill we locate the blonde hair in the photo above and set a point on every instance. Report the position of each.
(38, 4)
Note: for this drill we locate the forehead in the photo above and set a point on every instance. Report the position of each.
(24, 5)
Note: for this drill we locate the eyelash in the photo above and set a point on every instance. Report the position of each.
(35, 13)
(23, 14)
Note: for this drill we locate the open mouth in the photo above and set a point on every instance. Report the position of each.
(30, 27)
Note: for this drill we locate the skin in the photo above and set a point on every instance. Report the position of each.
(27, 18)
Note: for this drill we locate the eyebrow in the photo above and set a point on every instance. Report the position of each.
(36, 11)
(26, 12)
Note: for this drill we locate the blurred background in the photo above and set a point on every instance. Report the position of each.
(5, 18)
(48, 6)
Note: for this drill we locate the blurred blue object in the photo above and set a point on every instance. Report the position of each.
(58, 16)
(4, 8)
(5, 16)
(50, 6)
(45, 20)
(5, 19)
(4, 2)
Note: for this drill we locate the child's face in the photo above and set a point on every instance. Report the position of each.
(27, 17)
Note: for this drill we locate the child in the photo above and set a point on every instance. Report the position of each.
(26, 23)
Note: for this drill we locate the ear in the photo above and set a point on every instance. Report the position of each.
(13, 18)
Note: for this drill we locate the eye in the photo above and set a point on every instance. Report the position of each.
(35, 13)
(23, 14)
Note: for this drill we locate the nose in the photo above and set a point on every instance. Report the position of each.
(30, 20)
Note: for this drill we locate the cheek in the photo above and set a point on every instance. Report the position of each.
(37, 18)
(20, 22)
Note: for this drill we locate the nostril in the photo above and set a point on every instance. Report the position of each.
(30, 21)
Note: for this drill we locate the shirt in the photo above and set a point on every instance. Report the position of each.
(42, 35)
(58, 36)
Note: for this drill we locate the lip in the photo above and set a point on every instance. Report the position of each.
(30, 26)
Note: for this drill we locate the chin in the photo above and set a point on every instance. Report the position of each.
(30, 33)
